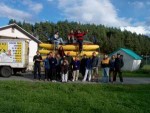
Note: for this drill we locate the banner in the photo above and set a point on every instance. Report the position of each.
(11, 52)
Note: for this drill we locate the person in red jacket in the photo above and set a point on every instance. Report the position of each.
(80, 36)
(71, 36)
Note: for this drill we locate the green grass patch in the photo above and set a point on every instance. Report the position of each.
(144, 72)
(40, 97)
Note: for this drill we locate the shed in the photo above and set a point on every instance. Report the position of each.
(13, 31)
(131, 60)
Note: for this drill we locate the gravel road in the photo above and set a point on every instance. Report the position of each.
(29, 77)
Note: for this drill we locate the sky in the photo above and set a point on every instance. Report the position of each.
(132, 15)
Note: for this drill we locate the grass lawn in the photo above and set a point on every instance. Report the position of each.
(40, 97)
(144, 72)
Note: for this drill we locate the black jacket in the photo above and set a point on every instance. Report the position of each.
(53, 62)
(95, 62)
(37, 57)
(118, 63)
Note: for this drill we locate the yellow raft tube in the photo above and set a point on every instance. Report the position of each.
(86, 47)
(72, 53)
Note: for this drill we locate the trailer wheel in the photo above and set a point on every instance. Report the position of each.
(6, 71)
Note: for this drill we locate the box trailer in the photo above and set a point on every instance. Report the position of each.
(14, 56)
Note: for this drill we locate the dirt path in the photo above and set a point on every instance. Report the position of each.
(127, 80)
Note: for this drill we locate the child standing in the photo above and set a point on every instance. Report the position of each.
(76, 67)
(64, 71)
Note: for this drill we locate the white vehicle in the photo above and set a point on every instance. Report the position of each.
(14, 56)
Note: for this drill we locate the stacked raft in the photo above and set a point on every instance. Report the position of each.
(88, 49)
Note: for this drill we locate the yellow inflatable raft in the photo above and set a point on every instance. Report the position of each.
(70, 47)
(72, 53)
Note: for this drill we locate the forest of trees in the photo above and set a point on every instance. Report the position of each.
(109, 38)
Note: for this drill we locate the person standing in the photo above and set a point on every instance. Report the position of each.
(53, 63)
(80, 36)
(47, 67)
(88, 71)
(95, 63)
(118, 65)
(64, 71)
(76, 67)
(37, 67)
(58, 67)
(105, 64)
(70, 61)
(112, 68)
(83, 65)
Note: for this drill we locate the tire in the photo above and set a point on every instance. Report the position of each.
(14, 72)
(6, 71)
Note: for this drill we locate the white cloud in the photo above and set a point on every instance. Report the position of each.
(92, 11)
(100, 12)
(33, 6)
(6, 11)
(137, 29)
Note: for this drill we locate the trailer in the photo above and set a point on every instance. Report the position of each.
(14, 56)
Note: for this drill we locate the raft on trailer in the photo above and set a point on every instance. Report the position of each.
(73, 47)
(72, 53)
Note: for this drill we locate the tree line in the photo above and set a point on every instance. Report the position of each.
(109, 38)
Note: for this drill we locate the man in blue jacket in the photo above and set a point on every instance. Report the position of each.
(47, 68)
(88, 71)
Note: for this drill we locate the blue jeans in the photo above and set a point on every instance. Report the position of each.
(105, 73)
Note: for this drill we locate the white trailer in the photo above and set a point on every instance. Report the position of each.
(14, 56)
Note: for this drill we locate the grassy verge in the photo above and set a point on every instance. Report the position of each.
(36, 97)
(144, 72)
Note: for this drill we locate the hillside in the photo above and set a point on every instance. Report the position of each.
(108, 38)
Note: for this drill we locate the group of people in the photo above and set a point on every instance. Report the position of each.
(111, 67)
(63, 67)
(72, 37)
